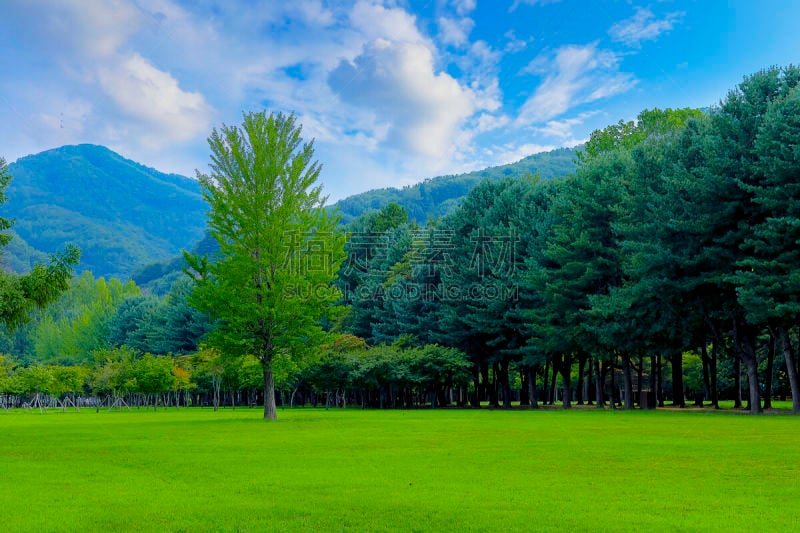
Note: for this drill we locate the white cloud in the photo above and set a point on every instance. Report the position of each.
(487, 122)
(71, 118)
(518, 3)
(422, 110)
(463, 7)
(44, 117)
(313, 13)
(153, 97)
(510, 153)
(375, 21)
(455, 32)
(573, 75)
(514, 44)
(643, 26)
(96, 29)
(563, 129)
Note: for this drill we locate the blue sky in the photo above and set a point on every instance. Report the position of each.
(392, 91)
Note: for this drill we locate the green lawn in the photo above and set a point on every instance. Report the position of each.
(444, 470)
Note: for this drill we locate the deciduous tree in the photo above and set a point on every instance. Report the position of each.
(271, 282)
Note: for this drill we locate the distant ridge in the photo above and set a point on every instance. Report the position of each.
(120, 213)
(435, 197)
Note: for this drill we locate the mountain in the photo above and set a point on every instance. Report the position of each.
(435, 197)
(121, 214)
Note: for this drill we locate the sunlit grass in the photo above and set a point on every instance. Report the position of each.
(421, 470)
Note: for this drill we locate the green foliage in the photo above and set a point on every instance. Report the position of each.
(153, 374)
(347, 363)
(79, 322)
(271, 282)
(34, 379)
(162, 326)
(7, 366)
(134, 322)
(113, 371)
(768, 281)
(650, 123)
(493, 233)
(5, 224)
(159, 277)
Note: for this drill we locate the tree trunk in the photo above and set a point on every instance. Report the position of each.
(678, 395)
(737, 381)
(554, 377)
(713, 376)
(626, 370)
(660, 381)
(581, 368)
(768, 377)
(524, 393)
(600, 384)
(494, 400)
(587, 390)
(486, 390)
(653, 378)
(791, 370)
(566, 376)
(639, 381)
(717, 341)
(532, 388)
(545, 381)
(752, 380)
(270, 412)
(613, 382)
(505, 383)
(744, 341)
(475, 397)
(706, 369)
(795, 351)
(216, 384)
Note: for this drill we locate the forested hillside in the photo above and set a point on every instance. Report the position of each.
(119, 213)
(435, 197)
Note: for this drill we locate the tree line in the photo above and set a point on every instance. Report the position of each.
(348, 372)
(678, 234)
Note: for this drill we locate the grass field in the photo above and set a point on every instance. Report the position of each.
(444, 470)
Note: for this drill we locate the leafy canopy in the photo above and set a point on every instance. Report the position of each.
(270, 284)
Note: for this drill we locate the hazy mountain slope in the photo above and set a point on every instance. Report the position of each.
(120, 213)
(435, 197)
